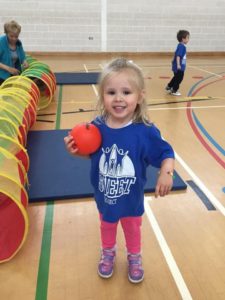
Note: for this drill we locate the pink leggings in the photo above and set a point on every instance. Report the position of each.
(132, 232)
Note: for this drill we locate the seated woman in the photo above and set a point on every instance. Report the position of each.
(12, 55)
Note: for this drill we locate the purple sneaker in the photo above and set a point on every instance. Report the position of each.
(135, 270)
(105, 266)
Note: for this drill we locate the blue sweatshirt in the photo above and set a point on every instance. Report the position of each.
(118, 168)
(6, 58)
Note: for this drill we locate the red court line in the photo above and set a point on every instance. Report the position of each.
(195, 129)
(164, 77)
(197, 77)
(206, 84)
(207, 147)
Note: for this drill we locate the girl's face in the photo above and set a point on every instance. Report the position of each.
(12, 37)
(121, 98)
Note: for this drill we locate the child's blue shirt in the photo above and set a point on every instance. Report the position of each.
(181, 52)
(118, 168)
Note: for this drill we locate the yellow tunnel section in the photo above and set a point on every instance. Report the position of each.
(20, 99)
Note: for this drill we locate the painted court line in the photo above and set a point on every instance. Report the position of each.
(44, 260)
(185, 107)
(93, 86)
(150, 101)
(200, 69)
(181, 285)
(201, 185)
(207, 135)
(201, 195)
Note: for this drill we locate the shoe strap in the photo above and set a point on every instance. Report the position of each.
(107, 255)
(135, 260)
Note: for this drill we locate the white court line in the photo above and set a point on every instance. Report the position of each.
(184, 107)
(217, 75)
(201, 185)
(161, 240)
(93, 86)
(181, 285)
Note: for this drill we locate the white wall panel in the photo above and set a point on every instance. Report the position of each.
(133, 25)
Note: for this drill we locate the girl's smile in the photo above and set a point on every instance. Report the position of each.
(121, 98)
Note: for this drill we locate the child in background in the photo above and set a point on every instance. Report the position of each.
(130, 143)
(12, 55)
(178, 63)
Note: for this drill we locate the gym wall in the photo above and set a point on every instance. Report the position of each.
(116, 26)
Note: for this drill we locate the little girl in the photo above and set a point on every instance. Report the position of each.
(130, 143)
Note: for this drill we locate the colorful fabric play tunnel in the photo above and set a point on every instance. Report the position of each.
(44, 78)
(20, 99)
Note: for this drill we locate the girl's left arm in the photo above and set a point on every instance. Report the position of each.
(165, 180)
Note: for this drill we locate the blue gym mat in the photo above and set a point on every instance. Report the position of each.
(76, 78)
(56, 175)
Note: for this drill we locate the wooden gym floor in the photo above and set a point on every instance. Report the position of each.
(183, 240)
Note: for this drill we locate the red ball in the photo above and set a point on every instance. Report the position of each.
(87, 137)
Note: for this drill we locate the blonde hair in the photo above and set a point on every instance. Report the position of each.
(136, 77)
(12, 26)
